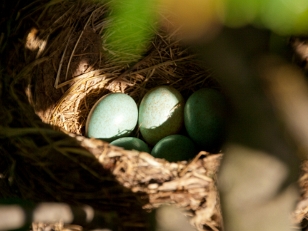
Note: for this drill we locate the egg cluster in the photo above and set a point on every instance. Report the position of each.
(176, 130)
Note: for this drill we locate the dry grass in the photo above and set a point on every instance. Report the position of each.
(81, 72)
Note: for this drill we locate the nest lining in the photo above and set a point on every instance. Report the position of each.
(81, 73)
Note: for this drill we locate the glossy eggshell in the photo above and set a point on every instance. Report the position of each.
(113, 116)
(205, 119)
(175, 148)
(161, 113)
(131, 143)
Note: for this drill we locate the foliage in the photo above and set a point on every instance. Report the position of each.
(132, 21)
(131, 28)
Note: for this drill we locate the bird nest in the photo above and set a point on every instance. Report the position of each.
(54, 68)
(57, 68)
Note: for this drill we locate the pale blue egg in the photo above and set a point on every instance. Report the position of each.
(161, 113)
(115, 115)
(131, 143)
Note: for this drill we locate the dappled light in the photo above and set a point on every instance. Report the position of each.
(34, 43)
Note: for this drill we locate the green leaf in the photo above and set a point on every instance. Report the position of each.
(132, 25)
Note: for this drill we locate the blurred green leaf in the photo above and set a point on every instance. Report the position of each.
(284, 17)
(240, 12)
(132, 25)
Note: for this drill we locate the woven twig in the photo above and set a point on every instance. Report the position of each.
(189, 186)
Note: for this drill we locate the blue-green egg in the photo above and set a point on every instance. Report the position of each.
(161, 113)
(131, 143)
(175, 148)
(113, 116)
(205, 119)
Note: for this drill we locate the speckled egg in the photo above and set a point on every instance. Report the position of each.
(161, 113)
(131, 143)
(115, 115)
(205, 119)
(175, 148)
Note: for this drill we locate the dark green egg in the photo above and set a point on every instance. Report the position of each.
(131, 143)
(205, 119)
(175, 148)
